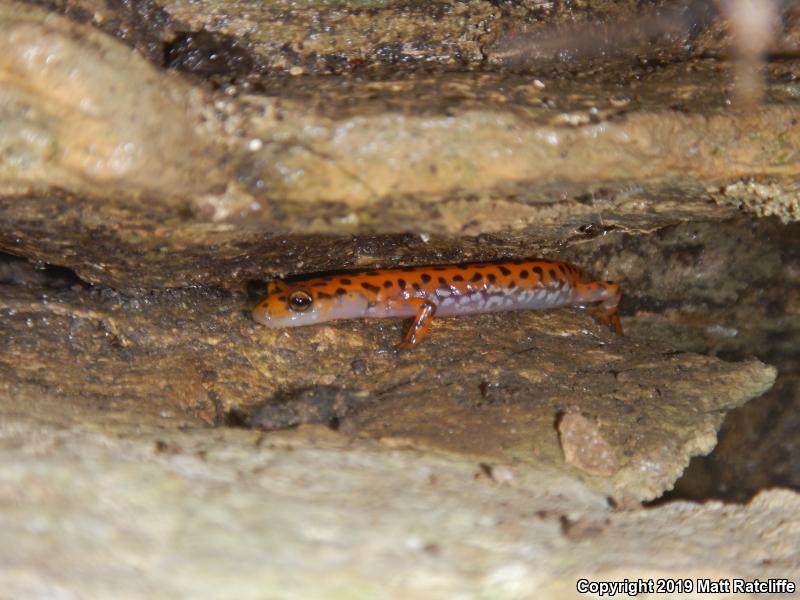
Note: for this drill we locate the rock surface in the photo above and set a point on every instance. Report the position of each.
(187, 175)
(157, 160)
(731, 289)
(490, 386)
(196, 514)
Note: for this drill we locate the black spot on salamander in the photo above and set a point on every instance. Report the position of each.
(476, 277)
(552, 273)
(324, 296)
(443, 282)
(425, 277)
(512, 285)
(341, 291)
(505, 271)
(524, 273)
(401, 283)
(538, 271)
(560, 268)
(345, 281)
(282, 298)
(416, 286)
(387, 284)
(370, 288)
(458, 278)
(491, 277)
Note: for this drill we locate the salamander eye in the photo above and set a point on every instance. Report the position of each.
(300, 301)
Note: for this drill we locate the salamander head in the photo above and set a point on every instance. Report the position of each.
(290, 306)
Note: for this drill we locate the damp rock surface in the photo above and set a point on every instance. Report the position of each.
(488, 386)
(731, 289)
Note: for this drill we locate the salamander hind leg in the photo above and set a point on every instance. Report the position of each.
(604, 296)
(420, 324)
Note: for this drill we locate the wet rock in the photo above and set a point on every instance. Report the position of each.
(118, 356)
(325, 404)
(730, 289)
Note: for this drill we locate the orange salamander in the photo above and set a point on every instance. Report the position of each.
(442, 290)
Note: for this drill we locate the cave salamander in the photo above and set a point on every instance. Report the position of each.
(441, 290)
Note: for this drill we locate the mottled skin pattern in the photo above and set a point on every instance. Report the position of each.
(443, 290)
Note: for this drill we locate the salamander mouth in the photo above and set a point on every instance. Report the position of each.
(260, 314)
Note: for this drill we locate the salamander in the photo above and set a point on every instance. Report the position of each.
(441, 290)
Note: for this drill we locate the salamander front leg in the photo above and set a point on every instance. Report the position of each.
(605, 297)
(420, 324)
(607, 317)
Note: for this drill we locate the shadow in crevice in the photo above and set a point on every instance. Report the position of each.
(18, 271)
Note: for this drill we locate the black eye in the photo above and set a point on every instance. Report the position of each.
(300, 301)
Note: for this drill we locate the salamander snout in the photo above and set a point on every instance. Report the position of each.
(260, 313)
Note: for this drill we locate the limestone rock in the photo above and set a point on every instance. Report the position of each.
(490, 386)
(226, 513)
(135, 173)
